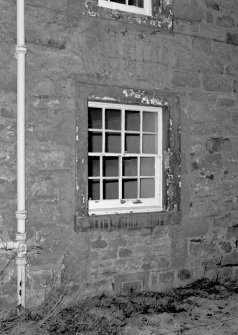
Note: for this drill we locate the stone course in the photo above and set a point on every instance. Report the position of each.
(77, 49)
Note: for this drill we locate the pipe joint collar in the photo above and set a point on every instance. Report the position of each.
(21, 49)
(22, 215)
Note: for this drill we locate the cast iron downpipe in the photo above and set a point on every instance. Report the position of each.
(20, 244)
(21, 213)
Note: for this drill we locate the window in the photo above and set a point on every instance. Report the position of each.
(134, 6)
(124, 158)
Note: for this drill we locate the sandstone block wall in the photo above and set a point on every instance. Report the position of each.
(73, 47)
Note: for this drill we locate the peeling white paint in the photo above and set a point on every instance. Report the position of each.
(36, 102)
(103, 99)
(7, 179)
(199, 187)
(152, 101)
(91, 13)
(167, 3)
(140, 94)
(169, 21)
(77, 133)
(52, 103)
(132, 93)
(196, 148)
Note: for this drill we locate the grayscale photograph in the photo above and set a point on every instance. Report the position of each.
(118, 167)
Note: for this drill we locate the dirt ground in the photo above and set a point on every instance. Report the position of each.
(213, 315)
(204, 307)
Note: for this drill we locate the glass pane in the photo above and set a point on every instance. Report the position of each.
(137, 3)
(119, 1)
(110, 189)
(129, 167)
(113, 142)
(147, 188)
(150, 121)
(149, 144)
(132, 120)
(94, 190)
(94, 142)
(94, 118)
(132, 143)
(93, 166)
(110, 167)
(129, 189)
(147, 166)
(113, 119)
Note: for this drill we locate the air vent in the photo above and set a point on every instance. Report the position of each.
(132, 287)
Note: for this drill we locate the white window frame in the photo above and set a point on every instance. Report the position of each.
(97, 207)
(146, 10)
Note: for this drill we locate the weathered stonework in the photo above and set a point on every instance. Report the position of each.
(183, 58)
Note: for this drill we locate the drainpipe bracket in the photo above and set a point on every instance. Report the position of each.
(22, 250)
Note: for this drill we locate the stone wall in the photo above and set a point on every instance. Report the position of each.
(192, 62)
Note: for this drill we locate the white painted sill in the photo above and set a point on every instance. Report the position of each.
(129, 206)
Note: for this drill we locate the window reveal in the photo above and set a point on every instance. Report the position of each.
(124, 158)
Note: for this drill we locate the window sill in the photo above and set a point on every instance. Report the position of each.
(121, 210)
(128, 221)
